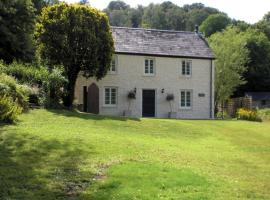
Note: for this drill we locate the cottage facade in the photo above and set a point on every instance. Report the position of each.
(153, 64)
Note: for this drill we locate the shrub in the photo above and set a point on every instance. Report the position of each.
(53, 88)
(9, 109)
(223, 115)
(25, 73)
(250, 115)
(170, 97)
(10, 88)
(264, 113)
(131, 95)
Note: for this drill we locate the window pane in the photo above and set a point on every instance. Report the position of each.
(188, 68)
(113, 96)
(188, 99)
(151, 70)
(182, 99)
(146, 70)
(151, 63)
(107, 95)
(146, 63)
(113, 65)
(183, 67)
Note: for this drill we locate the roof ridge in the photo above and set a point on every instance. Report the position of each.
(151, 29)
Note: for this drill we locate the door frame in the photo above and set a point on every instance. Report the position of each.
(155, 100)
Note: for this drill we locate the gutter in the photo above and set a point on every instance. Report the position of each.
(211, 89)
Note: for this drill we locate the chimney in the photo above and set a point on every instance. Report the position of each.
(196, 28)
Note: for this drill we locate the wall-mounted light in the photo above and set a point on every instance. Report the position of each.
(162, 90)
(135, 90)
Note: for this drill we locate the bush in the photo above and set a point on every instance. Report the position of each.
(264, 113)
(10, 88)
(223, 115)
(170, 97)
(53, 88)
(25, 73)
(9, 109)
(250, 115)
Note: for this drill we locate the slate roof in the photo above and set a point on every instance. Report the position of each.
(160, 43)
(256, 96)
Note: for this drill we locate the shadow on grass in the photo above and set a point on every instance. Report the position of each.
(31, 168)
(89, 116)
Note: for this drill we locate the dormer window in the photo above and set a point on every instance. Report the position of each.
(149, 67)
(113, 67)
(186, 68)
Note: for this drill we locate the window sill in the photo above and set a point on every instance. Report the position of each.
(185, 108)
(149, 75)
(109, 106)
(112, 73)
(185, 76)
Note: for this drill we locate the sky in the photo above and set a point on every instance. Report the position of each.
(250, 11)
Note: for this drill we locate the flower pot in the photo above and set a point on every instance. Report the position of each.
(127, 113)
(172, 115)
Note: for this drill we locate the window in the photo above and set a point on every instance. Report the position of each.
(113, 65)
(185, 99)
(186, 67)
(149, 67)
(110, 96)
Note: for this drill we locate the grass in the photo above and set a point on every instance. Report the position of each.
(52, 154)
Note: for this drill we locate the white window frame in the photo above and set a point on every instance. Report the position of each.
(185, 107)
(110, 97)
(185, 68)
(149, 67)
(115, 59)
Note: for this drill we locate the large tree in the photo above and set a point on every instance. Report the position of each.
(214, 23)
(77, 37)
(231, 59)
(16, 30)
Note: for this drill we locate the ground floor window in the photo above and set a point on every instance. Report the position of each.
(185, 99)
(110, 96)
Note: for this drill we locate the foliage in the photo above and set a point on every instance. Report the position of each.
(53, 88)
(160, 16)
(26, 73)
(223, 115)
(39, 4)
(214, 23)
(246, 114)
(81, 42)
(231, 59)
(258, 71)
(264, 114)
(9, 109)
(10, 88)
(58, 154)
(170, 97)
(131, 95)
(16, 29)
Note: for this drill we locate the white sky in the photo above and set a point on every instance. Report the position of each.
(247, 10)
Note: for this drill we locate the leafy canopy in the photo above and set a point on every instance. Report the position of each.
(214, 23)
(231, 59)
(77, 37)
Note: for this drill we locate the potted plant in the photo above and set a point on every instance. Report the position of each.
(131, 95)
(170, 98)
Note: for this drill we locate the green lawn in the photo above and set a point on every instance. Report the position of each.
(67, 155)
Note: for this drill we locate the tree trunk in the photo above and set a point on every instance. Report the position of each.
(68, 97)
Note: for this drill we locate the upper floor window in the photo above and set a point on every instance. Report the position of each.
(185, 99)
(186, 67)
(113, 67)
(149, 67)
(110, 96)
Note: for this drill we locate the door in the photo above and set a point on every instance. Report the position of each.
(148, 103)
(93, 99)
(84, 98)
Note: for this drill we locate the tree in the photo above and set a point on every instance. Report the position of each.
(16, 30)
(264, 25)
(214, 23)
(231, 59)
(258, 71)
(39, 4)
(77, 37)
(84, 2)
